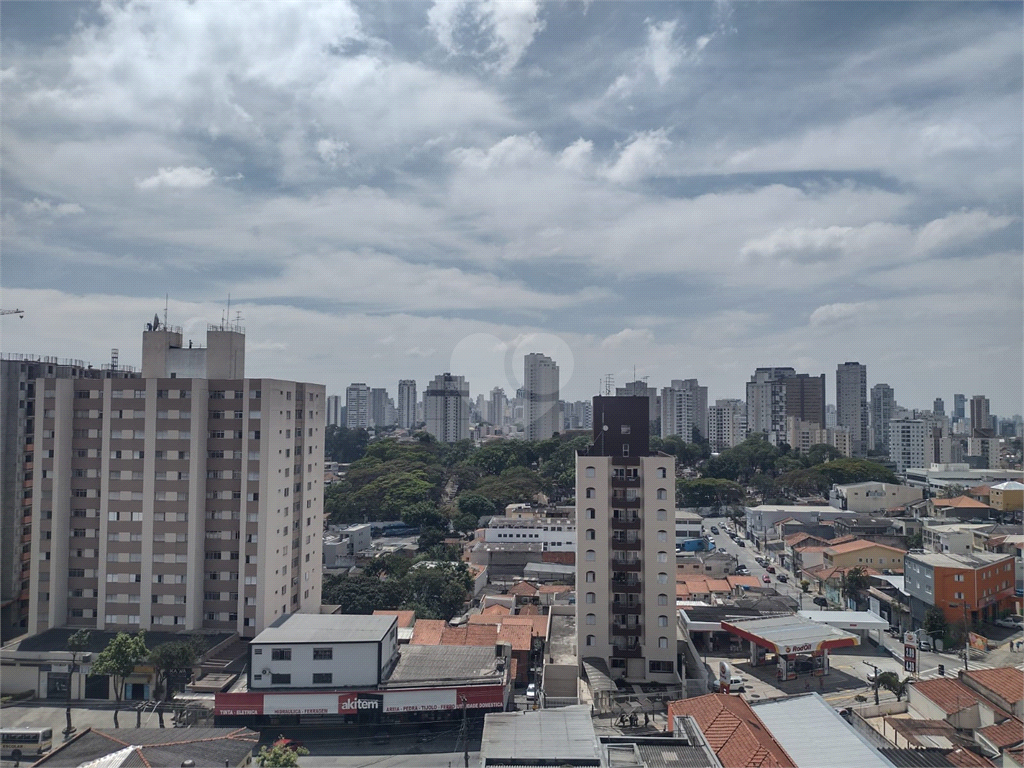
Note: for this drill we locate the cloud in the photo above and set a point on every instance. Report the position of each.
(509, 27)
(662, 53)
(179, 178)
(333, 152)
(41, 206)
(957, 229)
(833, 313)
(627, 337)
(643, 155)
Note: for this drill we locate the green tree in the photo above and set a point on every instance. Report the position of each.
(345, 445)
(855, 581)
(892, 683)
(819, 453)
(177, 656)
(803, 482)
(844, 471)
(470, 503)
(77, 643)
(119, 659)
(424, 514)
(280, 755)
(935, 623)
(805, 586)
(354, 594)
(708, 492)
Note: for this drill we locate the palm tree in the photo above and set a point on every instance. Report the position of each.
(854, 581)
(892, 683)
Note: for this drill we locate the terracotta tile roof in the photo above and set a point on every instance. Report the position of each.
(520, 637)
(529, 610)
(719, 585)
(497, 609)
(1007, 734)
(795, 539)
(951, 695)
(743, 581)
(964, 758)
(486, 618)
(853, 546)
(1005, 682)
(733, 731)
(961, 502)
(428, 632)
(405, 618)
(524, 588)
(840, 539)
(980, 490)
(554, 589)
(538, 624)
(1015, 754)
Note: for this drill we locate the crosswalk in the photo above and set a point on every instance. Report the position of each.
(952, 669)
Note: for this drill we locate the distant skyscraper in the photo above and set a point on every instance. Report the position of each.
(497, 405)
(541, 415)
(407, 403)
(830, 416)
(980, 414)
(357, 406)
(446, 408)
(727, 424)
(625, 562)
(852, 404)
(805, 398)
(959, 403)
(334, 409)
(883, 401)
(909, 443)
(684, 407)
(580, 414)
(766, 402)
(939, 407)
(379, 407)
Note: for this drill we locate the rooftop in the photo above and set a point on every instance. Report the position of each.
(56, 639)
(1003, 735)
(961, 502)
(798, 724)
(1005, 682)
(790, 634)
(405, 618)
(858, 544)
(156, 747)
(951, 696)
(444, 664)
(550, 736)
(732, 729)
(326, 628)
(967, 560)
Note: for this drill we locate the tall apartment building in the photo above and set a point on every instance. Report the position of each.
(883, 403)
(542, 416)
(382, 408)
(334, 411)
(357, 406)
(938, 406)
(190, 497)
(980, 418)
(19, 375)
(830, 416)
(497, 407)
(579, 415)
(766, 401)
(727, 424)
(909, 443)
(446, 408)
(959, 406)
(639, 388)
(805, 398)
(625, 560)
(801, 435)
(407, 404)
(684, 407)
(852, 403)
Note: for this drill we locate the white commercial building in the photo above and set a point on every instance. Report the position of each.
(334, 411)
(872, 496)
(328, 650)
(446, 408)
(552, 533)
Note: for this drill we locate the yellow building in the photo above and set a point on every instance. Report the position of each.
(1007, 497)
(866, 554)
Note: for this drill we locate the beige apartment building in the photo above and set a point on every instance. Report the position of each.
(190, 497)
(625, 558)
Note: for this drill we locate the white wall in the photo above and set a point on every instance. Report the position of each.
(352, 664)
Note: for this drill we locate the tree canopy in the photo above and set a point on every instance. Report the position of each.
(435, 590)
(123, 653)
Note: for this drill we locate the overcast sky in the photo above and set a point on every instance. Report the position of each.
(391, 191)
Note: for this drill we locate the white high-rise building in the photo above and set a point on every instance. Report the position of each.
(541, 415)
(497, 406)
(684, 407)
(407, 403)
(334, 411)
(446, 408)
(357, 406)
(909, 443)
(852, 404)
(190, 497)
(766, 402)
(727, 424)
(625, 558)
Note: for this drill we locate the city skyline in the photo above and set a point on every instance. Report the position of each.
(392, 191)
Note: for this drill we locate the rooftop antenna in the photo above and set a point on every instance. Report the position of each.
(166, 299)
(113, 358)
(609, 384)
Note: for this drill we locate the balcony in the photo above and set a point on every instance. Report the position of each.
(627, 587)
(626, 566)
(633, 609)
(626, 546)
(627, 523)
(625, 482)
(625, 503)
(622, 630)
(635, 652)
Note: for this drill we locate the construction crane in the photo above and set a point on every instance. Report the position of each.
(19, 312)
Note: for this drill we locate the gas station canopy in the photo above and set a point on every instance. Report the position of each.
(847, 619)
(786, 635)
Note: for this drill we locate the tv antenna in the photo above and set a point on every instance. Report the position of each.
(609, 384)
(166, 300)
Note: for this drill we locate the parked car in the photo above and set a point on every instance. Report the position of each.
(783, 578)
(804, 664)
(736, 684)
(821, 601)
(741, 542)
(714, 530)
(770, 568)
(531, 692)
(1009, 622)
(766, 579)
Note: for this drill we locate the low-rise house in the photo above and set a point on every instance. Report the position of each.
(1004, 687)
(872, 496)
(959, 508)
(944, 698)
(951, 537)
(732, 730)
(864, 553)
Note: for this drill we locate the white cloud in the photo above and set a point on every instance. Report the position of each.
(628, 337)
(333, 152)
(832, 313)
(662, 53)
(643, 155)
(960, 228)
(509, 25)
(179, 178)
(41, 206)
(578, 156)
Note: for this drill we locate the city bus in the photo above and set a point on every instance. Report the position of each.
(22, 743)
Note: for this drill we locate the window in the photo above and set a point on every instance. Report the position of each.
(287, 679)
(590, 577)
(591, 534)
(625, 449)
(591, 598)
(322, 678)
(662, 535)
(958, 577)
(591, 640)
(662, 599)
(663, 621)
(323, 654)
(663, 557)
(660, 666)
(662, 515)
(281, 654)
(590, 472)
(663, 642)
(624, 429)
(662, 494)
(591, 493)
(663, 578)
(591, 555)
(591, 618)
(662, 473)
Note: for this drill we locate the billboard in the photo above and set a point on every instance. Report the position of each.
(354, 702)
(977, 642)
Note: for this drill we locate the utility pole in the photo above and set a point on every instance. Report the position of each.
(967, 636)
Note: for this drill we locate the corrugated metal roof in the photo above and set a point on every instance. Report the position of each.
(801, 724)
(326, 628)
(565, 734)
